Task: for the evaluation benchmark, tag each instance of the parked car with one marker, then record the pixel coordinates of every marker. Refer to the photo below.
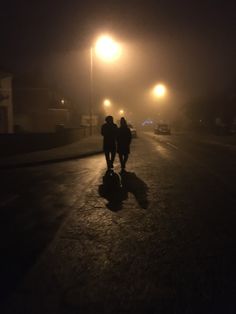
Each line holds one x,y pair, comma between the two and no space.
162,128
133,130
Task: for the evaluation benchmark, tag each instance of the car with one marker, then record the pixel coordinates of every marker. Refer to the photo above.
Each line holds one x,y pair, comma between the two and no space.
133,130
162,128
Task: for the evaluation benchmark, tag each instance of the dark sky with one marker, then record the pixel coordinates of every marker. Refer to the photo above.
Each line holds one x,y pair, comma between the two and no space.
190,45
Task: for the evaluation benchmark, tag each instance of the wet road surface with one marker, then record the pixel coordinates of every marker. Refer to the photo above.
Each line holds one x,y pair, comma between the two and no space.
164,243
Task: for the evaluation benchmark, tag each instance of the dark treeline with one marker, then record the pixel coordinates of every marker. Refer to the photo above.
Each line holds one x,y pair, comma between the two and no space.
212,110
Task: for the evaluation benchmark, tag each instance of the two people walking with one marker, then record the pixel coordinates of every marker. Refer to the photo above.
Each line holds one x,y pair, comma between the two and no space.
116,140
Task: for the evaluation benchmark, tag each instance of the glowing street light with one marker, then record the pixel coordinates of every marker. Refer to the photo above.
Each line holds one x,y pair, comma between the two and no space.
107,103
107,49
159,90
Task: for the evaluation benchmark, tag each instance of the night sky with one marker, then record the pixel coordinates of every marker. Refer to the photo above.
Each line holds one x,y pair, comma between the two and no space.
189,45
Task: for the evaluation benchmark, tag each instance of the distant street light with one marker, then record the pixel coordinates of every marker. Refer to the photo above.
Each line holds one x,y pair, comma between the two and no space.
107,103
108,50
159,90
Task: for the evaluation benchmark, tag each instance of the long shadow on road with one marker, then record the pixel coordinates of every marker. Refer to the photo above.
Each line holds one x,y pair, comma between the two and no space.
133,184
115,189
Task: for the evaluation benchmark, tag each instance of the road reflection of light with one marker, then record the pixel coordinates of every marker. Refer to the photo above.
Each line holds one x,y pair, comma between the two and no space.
163,151
92,165
163,147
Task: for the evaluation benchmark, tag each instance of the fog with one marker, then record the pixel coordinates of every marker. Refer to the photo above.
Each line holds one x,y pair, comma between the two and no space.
187,67
188,46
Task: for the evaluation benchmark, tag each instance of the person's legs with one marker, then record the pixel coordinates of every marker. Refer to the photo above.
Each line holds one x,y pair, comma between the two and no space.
126,156
121,160
107,155
113,155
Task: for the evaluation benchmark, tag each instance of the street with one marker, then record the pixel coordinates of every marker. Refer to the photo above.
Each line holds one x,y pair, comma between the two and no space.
164,244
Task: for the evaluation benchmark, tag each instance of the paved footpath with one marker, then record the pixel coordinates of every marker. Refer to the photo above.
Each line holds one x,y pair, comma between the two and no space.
85,147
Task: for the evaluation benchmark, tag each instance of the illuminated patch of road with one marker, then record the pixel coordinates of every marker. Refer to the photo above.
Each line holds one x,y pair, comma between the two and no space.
162,140
172,145
161,146
163,151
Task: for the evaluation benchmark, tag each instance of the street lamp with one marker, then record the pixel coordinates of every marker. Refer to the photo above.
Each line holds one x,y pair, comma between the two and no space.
107,103
107,106
108,50
159,90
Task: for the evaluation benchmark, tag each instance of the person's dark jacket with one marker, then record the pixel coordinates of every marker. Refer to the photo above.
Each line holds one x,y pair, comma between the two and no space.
123,140
109,133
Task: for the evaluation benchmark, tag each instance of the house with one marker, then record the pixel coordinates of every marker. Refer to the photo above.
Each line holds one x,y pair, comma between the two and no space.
36,107
6,108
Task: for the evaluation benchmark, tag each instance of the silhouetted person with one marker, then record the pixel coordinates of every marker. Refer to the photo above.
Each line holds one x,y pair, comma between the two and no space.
123,142
109,133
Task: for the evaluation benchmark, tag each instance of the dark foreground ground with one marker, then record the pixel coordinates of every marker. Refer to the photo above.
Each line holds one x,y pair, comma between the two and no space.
164,243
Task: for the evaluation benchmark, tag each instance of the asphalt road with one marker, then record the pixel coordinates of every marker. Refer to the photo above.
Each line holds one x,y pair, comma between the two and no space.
164,243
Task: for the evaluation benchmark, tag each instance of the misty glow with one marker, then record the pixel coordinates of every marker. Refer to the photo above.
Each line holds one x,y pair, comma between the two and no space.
107,103
159,90
107,49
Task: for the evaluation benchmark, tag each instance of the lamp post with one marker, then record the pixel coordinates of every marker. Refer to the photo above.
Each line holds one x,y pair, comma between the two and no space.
107,49
91,93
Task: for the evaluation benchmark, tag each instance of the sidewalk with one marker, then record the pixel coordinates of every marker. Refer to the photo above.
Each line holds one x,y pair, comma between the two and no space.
85,147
